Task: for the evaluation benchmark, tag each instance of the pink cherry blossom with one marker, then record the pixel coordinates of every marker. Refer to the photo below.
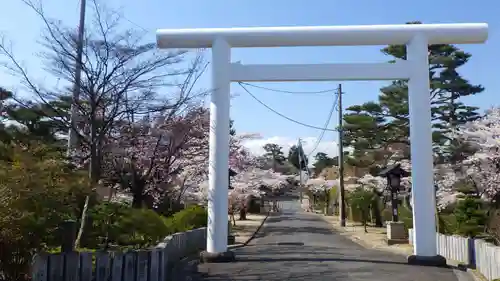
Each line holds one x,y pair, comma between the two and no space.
481,170
165,156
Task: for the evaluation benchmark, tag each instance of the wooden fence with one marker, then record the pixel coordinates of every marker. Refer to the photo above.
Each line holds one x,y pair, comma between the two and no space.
143,265
475,253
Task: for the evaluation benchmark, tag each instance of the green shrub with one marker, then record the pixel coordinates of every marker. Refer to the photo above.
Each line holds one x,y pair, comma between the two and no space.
360,200
447,223
104,224
470,216
405,215
145,228
58,250
333,194
38,191
121,226
354,214
187,219
117,225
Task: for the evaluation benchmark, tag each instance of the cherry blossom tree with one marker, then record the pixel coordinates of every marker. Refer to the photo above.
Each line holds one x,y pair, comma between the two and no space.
479,172
146,157
248,185
245,185
483,167
321,187
157,159
446,178
320,184
378,186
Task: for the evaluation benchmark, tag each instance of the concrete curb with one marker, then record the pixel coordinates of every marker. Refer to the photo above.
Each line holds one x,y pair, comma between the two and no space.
476,275
188,260
257,230
189,263
463,268
252,236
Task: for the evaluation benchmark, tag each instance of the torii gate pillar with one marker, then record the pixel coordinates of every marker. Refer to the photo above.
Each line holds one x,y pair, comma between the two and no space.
417,37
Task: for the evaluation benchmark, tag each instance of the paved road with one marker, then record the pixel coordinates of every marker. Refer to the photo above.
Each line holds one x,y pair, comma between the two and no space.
301,246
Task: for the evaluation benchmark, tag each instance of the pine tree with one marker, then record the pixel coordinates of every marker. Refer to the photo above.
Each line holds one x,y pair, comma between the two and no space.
274,154
471,217
5,95
232,130
323,161
293,158
39,121
374,125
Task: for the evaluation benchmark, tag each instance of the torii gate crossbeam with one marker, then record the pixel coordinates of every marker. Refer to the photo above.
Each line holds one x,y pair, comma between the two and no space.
417,37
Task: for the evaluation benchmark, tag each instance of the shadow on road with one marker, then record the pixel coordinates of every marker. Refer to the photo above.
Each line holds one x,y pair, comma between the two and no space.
284,230
284,259
297,250
285,216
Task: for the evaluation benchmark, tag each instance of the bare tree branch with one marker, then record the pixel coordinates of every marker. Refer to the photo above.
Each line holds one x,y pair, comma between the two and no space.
123,77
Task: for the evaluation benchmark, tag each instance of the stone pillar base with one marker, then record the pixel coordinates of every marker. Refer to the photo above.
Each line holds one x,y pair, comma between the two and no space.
437,260
395,231
396,241
206,257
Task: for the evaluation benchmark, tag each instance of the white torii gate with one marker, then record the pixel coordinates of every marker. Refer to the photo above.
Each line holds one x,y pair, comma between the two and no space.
416,68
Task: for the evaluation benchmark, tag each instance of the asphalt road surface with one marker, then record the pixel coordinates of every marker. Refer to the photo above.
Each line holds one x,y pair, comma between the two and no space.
297,246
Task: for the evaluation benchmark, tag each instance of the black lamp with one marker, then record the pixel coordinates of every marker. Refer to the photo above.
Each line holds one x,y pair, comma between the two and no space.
232,173
394,181
394,174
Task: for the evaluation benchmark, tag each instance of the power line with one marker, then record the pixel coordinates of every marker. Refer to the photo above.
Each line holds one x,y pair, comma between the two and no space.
288,92
133,23
282,115
121,15
330,114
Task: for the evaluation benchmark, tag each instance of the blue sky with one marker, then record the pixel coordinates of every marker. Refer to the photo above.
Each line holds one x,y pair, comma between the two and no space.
22,27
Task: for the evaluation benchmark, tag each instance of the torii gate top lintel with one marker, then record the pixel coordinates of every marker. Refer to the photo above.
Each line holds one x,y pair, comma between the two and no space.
355,35
415,69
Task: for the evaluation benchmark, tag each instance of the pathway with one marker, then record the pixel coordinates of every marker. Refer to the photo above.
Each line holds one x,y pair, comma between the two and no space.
298,246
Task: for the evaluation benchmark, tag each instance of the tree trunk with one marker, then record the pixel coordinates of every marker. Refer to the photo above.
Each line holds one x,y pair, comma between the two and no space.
327,203
364,218
137,199
94,173
243,214
376,213
82,222
407,200
232,217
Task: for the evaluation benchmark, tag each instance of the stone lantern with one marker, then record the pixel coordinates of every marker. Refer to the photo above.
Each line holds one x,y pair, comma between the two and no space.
395,229
232,173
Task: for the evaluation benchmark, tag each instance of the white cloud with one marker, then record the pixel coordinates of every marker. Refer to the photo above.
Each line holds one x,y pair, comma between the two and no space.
308,143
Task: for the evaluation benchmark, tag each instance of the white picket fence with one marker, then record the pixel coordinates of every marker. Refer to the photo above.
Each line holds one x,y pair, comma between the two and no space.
487,259
475,253
154,264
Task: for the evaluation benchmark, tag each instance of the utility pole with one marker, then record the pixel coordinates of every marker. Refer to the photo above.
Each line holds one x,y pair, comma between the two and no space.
300,171
342,212
73,133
